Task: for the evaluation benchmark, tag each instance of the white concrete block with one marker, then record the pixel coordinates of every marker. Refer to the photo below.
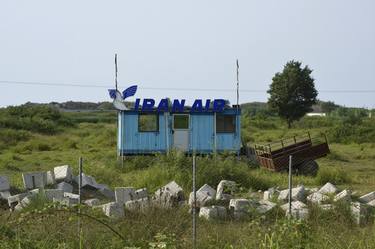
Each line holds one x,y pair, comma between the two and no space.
298,194
114,210
213,212
328,188
317,198
169,195
367,197
26,201
299,213
141,193
63,173
359,212
371,203
207,190
34,180
225,190
124,194
15,199
50,177
53,193
239,205
67,201
265,206
4,183
4,195
88,182
139,204
34,192
203,195
295,205
92,202
65,187
70,195
344,195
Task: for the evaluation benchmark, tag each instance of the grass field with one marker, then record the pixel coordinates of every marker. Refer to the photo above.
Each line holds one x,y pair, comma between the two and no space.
93,136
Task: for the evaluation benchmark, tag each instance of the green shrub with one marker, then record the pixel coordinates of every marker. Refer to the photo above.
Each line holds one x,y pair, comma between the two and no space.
332,175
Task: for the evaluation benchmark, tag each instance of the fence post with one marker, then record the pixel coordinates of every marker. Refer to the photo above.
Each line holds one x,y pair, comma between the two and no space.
80,164
290,186
194,206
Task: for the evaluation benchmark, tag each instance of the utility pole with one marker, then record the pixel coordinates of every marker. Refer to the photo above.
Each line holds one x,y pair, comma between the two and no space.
290,187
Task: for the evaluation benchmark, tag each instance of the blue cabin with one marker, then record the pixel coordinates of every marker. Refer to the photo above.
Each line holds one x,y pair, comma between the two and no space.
150,132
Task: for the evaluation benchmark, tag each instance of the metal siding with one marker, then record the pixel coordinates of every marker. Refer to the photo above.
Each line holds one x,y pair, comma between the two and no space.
230,141
202,133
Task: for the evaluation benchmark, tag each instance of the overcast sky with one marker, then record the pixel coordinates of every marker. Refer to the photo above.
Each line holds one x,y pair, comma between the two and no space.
184,44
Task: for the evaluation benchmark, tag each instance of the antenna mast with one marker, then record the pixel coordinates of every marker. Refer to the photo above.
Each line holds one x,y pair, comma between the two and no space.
238,85
116,71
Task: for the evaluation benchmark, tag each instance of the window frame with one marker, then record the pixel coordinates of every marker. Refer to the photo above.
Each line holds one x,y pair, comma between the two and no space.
148,114
226,132
181,114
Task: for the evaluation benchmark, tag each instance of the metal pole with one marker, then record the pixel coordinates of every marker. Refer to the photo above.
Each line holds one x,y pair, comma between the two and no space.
80,163
290,186
194,207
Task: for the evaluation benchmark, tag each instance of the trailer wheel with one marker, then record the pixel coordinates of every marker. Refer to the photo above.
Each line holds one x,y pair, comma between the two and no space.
309,168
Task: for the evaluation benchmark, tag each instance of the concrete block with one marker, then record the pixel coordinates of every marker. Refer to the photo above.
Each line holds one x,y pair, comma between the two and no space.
270,194
88,182
34,192
317,198
107,192
328,188
367,197
51,177
359,212
18,207
170,195
204,194
124,194
298,194
239,205
344,195
225,190
70,195
26,201
92,202
4,195
139,204
65,187
67,201
114,210
4,183
13,200
299,213
141,193
50,194
326,207
213,212
371,203
34,180
295,205
265,206
63,173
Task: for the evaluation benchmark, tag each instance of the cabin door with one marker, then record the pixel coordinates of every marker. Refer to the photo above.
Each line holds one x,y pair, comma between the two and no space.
181,131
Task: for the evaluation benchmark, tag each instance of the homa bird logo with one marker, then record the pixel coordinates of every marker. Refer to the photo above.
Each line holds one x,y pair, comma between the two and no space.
119,99
165,105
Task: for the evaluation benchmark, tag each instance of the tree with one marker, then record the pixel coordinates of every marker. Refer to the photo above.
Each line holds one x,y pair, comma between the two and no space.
328,106
292,92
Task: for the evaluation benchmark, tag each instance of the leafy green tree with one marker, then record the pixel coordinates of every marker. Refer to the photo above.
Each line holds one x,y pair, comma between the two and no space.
328,106
292,92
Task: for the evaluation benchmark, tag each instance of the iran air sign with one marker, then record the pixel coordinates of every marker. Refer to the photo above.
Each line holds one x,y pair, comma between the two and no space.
164,105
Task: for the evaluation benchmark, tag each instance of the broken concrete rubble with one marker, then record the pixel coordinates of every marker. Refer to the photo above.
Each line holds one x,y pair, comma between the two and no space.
295,205
92,202
344,195
124,194
299,213
88,182
106,191
170,195
13,200
367,197
4,183
317,198
213,212
113,210
65,187
359,212
34,180
67,201
265,206
225,190
139,204
63,173
4,195
298,194
50,194
141,193
328,188
203,195
270,194
50,177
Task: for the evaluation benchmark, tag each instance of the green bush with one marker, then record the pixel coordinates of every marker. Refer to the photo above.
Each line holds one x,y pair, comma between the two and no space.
332,175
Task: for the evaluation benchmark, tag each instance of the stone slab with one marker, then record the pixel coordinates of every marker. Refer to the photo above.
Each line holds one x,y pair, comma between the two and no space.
63,173
114,210
225,190
213,212
328,188
367,197
344,195
34,180
65,187
4,183
124,194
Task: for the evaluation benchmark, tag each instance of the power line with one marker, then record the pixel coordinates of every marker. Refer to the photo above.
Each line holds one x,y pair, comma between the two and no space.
164,88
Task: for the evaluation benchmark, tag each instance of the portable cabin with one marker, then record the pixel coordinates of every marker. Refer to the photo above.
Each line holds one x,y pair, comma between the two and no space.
192,132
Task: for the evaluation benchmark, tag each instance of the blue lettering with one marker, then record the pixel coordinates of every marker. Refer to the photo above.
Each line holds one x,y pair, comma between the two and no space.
219,105
207,106
163,105
197,106
136,104
148,104
178,106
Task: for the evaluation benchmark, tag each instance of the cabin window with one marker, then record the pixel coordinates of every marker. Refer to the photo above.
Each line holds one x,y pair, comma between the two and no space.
225,123
148,122
181,121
